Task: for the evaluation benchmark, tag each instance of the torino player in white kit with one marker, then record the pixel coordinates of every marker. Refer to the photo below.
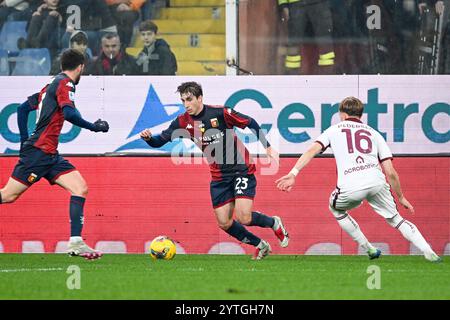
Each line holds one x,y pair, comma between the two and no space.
359,150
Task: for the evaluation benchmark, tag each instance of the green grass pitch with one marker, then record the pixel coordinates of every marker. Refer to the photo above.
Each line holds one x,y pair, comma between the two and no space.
221,277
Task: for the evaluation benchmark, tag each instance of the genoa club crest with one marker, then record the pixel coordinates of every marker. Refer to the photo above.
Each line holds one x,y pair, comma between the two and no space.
32,178
214,122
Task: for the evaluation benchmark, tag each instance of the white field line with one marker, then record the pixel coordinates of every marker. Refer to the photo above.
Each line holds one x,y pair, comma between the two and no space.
31,270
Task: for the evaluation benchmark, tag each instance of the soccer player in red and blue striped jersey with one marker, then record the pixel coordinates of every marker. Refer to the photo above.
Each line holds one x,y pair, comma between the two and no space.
233,184
39,157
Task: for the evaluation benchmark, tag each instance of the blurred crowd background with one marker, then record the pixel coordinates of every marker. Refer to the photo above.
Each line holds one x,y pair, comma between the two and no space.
188,37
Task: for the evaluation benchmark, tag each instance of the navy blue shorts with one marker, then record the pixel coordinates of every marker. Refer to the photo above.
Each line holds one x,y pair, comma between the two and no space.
35,164
230,188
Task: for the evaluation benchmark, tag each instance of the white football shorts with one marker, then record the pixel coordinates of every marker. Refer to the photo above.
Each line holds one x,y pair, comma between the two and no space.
379,197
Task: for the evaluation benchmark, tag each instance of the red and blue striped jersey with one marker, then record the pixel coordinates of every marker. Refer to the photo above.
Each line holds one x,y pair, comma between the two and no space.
212,131
49,104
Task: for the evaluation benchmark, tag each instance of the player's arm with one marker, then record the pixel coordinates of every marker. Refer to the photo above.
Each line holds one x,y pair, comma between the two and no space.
271,153
158,140
73,116
322,142
154,141
65,98
305,158
385,157
254,126
236,119
286,182
22,119
394,181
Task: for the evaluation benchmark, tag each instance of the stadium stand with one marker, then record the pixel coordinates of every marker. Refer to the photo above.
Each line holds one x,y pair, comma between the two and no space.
195,31
32,62
11,32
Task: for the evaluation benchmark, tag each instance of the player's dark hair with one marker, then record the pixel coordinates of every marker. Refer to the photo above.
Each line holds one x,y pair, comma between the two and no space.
148,25
352,106
190,87
71,59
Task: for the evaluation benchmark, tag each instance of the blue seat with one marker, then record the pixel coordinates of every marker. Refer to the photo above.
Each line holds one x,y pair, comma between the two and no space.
4,63
11,32
33,62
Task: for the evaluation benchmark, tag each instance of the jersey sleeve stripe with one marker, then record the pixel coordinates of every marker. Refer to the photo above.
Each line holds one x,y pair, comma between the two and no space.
63,91
323,147
388,158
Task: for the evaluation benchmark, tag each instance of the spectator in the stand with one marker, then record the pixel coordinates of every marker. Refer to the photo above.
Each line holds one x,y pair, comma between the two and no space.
113,60
14,10
391,44
45,27
437,9
79,42
125,13
297,14
96,20
444,61
156,58
437,4
350,36
147,10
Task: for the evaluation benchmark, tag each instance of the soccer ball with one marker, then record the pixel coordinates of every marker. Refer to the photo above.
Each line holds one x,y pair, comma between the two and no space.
162,247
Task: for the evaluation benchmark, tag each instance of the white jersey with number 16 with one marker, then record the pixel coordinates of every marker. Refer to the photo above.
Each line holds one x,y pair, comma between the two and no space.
358,150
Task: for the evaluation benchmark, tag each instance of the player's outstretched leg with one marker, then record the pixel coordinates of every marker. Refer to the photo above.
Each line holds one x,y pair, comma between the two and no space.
261,220
247,217
280,232
262,250
75,184
349,225
12,191
238,231
411,233
77,247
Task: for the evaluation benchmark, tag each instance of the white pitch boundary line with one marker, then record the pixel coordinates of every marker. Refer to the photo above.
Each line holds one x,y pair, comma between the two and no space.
31,270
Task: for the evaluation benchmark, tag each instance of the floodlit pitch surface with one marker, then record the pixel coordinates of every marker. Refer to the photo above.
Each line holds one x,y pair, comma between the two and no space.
278,277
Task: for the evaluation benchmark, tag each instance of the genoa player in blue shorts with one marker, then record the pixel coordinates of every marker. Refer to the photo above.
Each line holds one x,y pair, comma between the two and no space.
39,157
233,184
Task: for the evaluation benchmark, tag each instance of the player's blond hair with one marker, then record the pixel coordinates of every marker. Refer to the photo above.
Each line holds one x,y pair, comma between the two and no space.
352,106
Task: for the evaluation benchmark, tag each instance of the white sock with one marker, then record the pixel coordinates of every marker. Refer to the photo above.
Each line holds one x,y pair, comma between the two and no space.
352,228
261,244
413,235
75,239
